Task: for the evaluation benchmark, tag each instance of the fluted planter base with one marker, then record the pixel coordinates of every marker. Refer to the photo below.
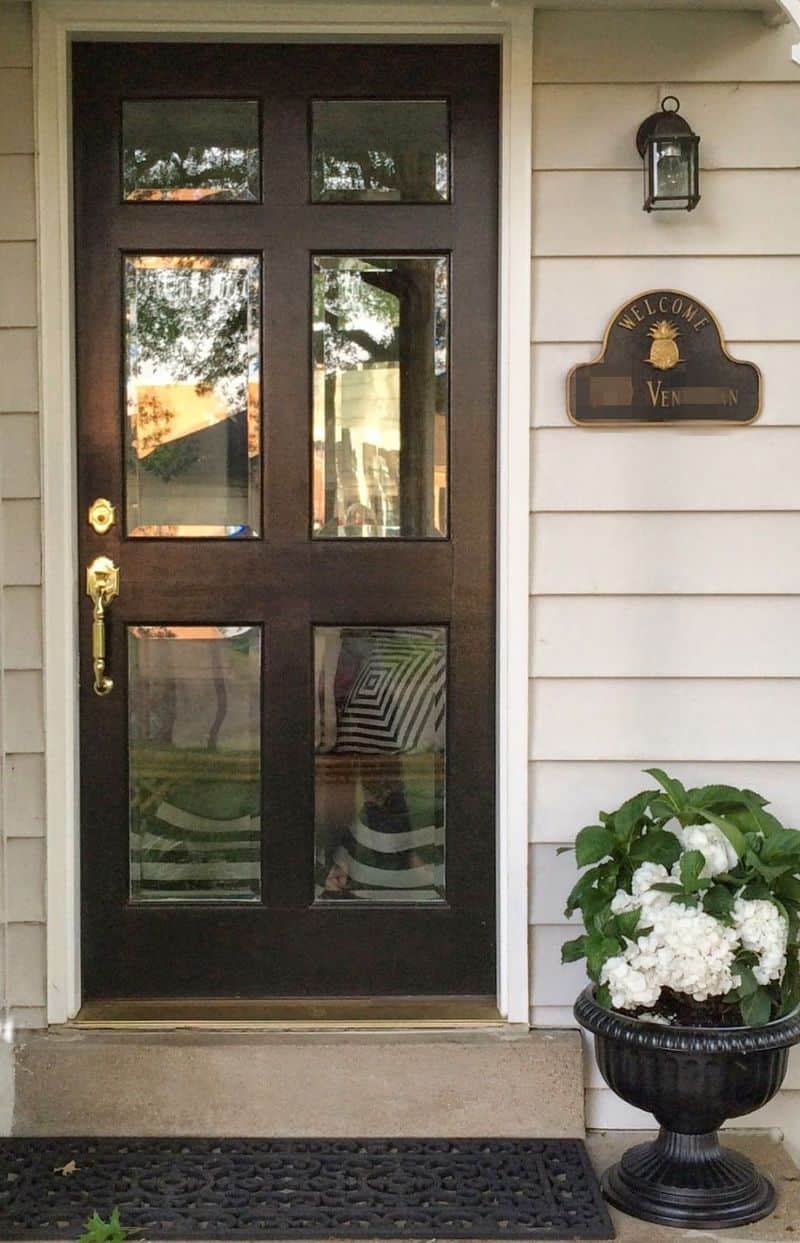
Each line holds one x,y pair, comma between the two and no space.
689,1180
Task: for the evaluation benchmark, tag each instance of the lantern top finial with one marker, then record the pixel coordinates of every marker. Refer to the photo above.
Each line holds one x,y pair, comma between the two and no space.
667,123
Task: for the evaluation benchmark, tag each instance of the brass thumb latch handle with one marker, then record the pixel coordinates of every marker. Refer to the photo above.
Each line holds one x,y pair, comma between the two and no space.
102,585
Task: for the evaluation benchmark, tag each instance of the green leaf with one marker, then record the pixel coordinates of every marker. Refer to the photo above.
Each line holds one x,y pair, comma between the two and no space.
656,846
598,951
592,844
99,1231
756,889
603,995
628,923
667,886
585,884
572,951
563,850
593,903
788,886
754,861
748,984
755,819
660,809
692,864
630,813
676,794
790,985
707,796
782,846
718,901
733,834
757,1008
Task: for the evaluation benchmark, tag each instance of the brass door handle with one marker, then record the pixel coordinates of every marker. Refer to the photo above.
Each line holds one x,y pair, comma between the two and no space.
102,585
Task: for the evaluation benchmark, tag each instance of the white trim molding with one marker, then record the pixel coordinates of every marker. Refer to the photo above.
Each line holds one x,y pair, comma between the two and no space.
57,23
792,10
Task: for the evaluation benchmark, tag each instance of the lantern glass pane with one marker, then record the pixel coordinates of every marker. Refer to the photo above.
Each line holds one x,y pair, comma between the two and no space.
672,172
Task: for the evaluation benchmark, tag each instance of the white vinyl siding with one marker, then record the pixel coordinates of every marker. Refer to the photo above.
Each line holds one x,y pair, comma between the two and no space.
665,583
22,847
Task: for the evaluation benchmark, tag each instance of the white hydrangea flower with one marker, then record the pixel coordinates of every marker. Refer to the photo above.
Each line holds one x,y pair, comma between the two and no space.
629,988
686,949
643,897
763,930
710,841
713,846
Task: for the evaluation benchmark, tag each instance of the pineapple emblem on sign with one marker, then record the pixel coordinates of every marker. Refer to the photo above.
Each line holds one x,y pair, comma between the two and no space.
664,352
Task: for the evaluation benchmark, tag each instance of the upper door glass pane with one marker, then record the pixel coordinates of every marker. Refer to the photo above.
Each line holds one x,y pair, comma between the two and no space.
192,362
380,151
190,150
380,396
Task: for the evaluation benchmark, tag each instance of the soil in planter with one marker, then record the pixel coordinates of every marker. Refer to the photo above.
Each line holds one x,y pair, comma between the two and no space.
682,1011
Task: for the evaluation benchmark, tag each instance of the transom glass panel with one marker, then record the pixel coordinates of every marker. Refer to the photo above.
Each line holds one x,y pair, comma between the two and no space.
381,395
190,150
380,151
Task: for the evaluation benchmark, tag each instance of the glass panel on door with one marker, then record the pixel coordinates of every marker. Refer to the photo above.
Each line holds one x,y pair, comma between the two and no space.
194,738
380,699
190,150
192,377
381,396
380,151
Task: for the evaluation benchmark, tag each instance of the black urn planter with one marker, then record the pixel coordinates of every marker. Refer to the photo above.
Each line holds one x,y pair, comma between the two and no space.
692,1079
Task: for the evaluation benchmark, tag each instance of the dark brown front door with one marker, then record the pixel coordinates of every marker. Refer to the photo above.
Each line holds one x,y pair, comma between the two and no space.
286,305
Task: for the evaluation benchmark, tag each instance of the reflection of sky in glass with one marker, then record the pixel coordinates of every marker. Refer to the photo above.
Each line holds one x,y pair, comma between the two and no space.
345,290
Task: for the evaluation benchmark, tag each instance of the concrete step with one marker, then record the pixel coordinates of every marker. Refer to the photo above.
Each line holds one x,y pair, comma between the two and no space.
505,1081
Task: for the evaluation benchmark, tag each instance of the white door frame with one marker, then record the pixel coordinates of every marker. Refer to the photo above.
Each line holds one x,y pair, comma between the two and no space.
57,22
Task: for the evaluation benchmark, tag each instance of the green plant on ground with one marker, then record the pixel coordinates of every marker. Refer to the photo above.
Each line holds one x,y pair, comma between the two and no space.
99,1231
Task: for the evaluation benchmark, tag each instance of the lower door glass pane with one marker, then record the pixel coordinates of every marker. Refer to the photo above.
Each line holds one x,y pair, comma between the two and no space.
195,762
380,716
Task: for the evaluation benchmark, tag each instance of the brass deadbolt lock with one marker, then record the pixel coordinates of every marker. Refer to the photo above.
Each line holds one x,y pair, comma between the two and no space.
102,515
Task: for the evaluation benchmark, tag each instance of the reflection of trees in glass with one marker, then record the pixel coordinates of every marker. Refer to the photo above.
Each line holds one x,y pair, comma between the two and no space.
192,145
392,311
392,148
194,320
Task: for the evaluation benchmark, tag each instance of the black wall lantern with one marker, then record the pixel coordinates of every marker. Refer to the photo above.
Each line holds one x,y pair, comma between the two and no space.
669,148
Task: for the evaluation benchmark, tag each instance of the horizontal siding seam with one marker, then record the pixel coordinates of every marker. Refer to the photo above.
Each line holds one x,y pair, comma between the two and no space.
661,513
537,170
727,596
623,430
689,83
616,256
573,342
769,677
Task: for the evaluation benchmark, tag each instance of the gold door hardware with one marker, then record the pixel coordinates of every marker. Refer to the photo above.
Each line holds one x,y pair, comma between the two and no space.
102,515
102,585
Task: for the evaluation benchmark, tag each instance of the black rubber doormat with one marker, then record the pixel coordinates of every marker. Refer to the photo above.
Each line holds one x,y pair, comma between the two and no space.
253,1189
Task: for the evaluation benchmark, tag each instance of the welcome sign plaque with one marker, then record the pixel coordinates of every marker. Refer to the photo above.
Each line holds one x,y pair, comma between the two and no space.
664,361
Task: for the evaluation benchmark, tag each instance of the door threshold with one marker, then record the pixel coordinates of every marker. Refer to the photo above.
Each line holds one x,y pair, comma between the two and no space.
290,1013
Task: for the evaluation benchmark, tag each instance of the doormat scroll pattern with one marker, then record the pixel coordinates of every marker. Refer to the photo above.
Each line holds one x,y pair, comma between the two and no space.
252,1189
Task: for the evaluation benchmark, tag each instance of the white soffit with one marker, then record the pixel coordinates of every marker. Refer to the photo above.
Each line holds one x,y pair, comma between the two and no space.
774,12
